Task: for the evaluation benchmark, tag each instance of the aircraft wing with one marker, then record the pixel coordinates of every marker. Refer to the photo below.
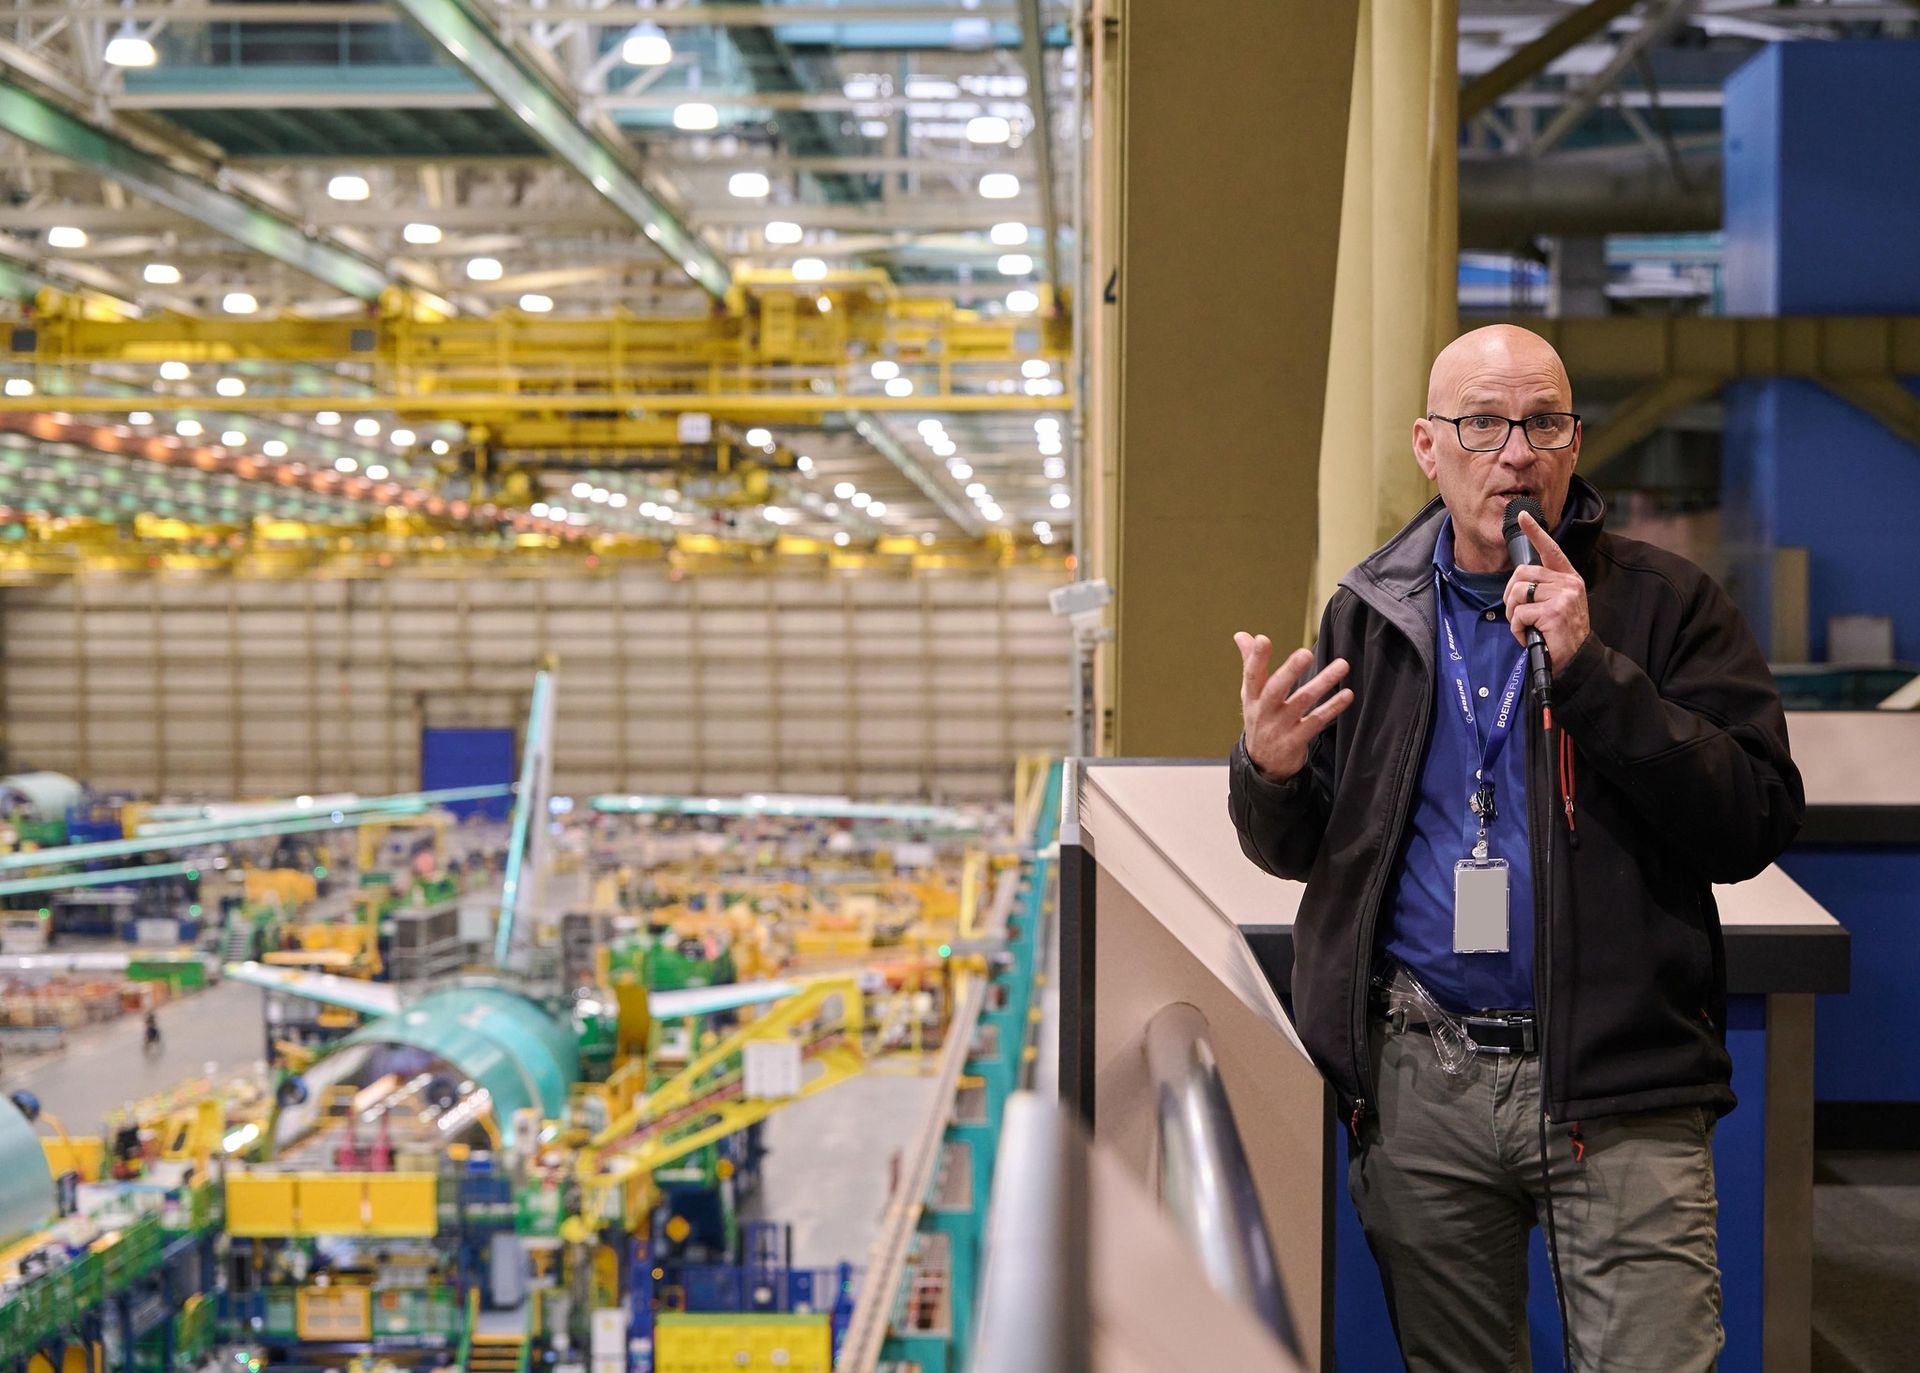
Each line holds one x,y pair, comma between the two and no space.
100,961
691,1001
352,993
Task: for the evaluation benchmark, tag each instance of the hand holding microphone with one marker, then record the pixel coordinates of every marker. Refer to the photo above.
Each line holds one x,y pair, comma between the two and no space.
1546,598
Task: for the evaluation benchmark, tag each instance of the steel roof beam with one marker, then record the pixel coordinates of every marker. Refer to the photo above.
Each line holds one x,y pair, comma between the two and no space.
481,52
1530,59
35,120
1034,59
929,485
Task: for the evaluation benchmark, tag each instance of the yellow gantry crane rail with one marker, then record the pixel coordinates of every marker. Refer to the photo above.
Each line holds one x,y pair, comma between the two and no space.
789,351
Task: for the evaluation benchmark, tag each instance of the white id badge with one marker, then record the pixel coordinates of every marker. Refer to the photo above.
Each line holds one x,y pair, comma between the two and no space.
1480,905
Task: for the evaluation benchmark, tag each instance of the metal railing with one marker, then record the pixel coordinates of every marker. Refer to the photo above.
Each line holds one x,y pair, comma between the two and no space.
1203,1180
1035,1315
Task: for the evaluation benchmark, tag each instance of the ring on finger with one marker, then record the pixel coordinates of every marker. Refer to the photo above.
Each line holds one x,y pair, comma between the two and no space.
1531,588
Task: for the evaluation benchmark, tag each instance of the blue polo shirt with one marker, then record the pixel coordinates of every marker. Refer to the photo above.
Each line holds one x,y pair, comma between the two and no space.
1417,920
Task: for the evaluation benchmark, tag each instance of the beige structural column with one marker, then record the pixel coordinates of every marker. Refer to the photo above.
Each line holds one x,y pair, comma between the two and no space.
1231,122
1395,287
1098,312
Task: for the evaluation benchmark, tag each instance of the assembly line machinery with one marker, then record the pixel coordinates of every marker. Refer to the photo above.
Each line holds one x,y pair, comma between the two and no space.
522,1166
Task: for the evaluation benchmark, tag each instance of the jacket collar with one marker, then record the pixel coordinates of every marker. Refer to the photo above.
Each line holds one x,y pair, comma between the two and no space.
1403,566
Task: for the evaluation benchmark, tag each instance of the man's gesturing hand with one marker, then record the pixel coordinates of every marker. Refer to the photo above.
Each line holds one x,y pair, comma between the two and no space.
1279,724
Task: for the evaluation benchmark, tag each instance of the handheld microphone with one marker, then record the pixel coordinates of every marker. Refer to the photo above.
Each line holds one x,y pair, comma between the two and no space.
1521,550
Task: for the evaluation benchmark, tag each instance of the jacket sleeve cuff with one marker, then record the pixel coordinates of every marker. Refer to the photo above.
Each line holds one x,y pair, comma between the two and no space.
1587,662
1262,789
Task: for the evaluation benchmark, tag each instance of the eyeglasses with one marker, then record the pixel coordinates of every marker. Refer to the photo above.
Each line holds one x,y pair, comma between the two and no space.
1489,433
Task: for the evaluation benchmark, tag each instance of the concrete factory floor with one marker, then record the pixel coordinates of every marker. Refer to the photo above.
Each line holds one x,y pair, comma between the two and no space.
105,1066
828,1163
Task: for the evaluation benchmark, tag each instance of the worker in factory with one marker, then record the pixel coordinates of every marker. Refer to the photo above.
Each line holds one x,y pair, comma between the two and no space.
1507,959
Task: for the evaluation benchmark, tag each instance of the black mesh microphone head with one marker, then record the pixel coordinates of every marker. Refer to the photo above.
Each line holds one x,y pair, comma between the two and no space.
1510,525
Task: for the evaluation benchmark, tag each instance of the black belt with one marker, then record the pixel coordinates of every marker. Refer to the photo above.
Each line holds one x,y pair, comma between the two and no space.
1496,1032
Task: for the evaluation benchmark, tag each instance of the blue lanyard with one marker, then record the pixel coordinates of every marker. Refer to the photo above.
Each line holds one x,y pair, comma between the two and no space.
1503,719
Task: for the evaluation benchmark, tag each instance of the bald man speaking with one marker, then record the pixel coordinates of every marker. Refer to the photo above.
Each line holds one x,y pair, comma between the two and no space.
1508,961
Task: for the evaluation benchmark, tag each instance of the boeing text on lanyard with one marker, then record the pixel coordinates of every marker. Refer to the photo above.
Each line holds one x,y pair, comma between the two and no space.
1480,897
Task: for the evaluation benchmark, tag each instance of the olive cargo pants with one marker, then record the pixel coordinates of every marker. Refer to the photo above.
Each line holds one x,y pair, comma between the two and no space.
1446,1178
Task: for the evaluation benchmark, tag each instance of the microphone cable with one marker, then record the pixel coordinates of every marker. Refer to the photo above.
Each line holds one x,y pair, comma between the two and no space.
1543,998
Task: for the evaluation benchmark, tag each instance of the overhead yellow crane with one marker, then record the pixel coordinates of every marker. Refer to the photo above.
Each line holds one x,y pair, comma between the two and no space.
787,351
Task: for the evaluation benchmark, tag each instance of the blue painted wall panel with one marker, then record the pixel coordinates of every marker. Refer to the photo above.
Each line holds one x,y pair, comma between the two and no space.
1363,1335
469,758
1822,194
1875,893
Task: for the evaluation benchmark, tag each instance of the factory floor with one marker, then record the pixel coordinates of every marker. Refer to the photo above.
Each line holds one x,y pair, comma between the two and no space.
829,1160
1866,1262
105,1066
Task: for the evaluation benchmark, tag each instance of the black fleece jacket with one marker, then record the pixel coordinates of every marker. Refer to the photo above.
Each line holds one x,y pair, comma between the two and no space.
1683,779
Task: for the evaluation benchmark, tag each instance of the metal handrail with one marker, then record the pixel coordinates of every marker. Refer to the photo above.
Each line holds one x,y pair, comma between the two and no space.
1035,1312
1203,1180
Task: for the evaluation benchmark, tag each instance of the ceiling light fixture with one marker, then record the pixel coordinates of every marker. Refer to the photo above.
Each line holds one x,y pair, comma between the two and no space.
899,388
345,465
876,509
140,417
536,304
274,448
783,232
347,186
128,49
1022,302
484,269
421,234
617,499
377,472
1008,235
988,128
239,303
1035,368
695,117
646,48
326,419
842,539
860,500
748,185
804,463
66,236
174,371
844,490
161,274
230,386
1015,265
885,371
999,186
19,386
367,427
402,438
233,438
759,438
1060,500
809,269
189,429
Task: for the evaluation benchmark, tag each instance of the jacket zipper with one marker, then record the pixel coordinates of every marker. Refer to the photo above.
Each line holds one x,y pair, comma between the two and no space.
1370,910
